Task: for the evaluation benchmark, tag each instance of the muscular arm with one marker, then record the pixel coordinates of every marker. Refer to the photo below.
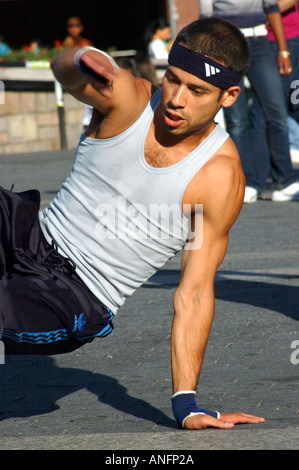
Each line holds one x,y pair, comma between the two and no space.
194,308
194,297
117,93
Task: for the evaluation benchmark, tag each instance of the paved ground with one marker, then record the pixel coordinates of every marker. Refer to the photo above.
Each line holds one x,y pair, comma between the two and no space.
114,394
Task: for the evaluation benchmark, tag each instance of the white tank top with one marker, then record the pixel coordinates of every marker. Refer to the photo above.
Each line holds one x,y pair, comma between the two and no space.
118,218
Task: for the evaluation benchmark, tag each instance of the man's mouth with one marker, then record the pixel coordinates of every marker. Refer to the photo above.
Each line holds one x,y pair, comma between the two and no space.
173,119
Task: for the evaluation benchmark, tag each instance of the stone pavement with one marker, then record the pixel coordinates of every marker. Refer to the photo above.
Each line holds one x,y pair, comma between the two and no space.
114,394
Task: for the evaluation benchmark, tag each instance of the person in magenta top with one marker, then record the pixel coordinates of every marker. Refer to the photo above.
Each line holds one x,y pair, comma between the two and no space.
290,17
264,77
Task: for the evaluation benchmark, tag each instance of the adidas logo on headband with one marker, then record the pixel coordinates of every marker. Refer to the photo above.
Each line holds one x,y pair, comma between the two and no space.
202,67
210,70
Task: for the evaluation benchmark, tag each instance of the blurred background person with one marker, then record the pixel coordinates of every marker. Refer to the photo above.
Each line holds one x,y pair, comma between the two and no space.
158,39
75,29
4,48
34,46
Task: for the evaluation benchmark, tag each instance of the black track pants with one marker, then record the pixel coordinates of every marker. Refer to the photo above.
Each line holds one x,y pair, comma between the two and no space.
44,307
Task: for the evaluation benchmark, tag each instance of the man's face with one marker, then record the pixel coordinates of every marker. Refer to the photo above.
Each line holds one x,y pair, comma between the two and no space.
189,104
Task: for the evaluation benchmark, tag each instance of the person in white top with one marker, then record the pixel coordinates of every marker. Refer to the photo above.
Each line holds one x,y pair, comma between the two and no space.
157,37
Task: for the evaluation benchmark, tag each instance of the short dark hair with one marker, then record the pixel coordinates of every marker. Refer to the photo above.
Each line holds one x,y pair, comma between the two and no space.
219,40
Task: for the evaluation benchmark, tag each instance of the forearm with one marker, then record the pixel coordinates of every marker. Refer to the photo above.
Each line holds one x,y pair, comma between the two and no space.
65,70
77,67
283,58
276,24
88,74
190,330
191,327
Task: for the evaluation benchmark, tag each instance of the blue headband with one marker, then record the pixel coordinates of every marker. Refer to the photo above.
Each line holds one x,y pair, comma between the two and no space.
202,67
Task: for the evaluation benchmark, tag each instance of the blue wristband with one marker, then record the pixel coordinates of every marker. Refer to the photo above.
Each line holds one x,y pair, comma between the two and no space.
184,406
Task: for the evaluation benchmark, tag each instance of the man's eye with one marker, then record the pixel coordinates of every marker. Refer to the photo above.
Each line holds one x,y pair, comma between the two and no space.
196,92
170,79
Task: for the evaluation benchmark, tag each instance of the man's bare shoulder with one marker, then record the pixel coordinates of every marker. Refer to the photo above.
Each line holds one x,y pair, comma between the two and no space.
222,174
224,169
219,186
223,184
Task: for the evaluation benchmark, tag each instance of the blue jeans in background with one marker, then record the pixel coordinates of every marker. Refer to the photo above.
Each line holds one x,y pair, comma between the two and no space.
257,147
293,128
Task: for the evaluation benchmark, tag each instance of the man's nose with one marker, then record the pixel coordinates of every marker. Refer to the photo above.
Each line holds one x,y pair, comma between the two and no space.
178,98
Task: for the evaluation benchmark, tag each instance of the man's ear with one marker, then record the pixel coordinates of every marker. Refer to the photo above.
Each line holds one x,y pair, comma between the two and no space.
230,95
